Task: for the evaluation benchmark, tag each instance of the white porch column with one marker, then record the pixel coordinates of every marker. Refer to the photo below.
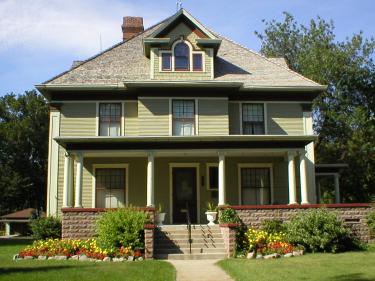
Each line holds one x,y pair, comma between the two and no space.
292,179
221,179
67,181
150,180
7,228
302,174
337,188
78,195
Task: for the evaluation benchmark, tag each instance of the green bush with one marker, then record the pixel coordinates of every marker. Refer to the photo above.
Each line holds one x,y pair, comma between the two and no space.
45,227
229,216
319,230
121,227
371,222
273,226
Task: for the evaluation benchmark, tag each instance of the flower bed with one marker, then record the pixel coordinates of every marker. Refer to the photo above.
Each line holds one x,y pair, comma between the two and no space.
270,245
78,250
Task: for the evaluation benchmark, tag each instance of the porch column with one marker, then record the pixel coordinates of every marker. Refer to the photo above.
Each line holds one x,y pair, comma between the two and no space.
302,174
292,179
78,197
221,179
7,228
337,188
67,181
150,180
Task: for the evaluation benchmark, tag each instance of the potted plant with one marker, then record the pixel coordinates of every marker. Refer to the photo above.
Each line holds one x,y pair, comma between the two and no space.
159,216
211,213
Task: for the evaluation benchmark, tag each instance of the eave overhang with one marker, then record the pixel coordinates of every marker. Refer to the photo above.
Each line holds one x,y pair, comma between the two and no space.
182,84
186,142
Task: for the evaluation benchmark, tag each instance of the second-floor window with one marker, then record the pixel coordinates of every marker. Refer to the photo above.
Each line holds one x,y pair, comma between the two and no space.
181,56
183,117
253,119
109,119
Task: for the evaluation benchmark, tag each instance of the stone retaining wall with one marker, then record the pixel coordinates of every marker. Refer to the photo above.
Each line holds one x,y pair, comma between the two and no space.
79,223
353,215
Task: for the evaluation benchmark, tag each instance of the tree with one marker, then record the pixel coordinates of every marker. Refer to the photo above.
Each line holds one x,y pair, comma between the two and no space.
344,115
23,151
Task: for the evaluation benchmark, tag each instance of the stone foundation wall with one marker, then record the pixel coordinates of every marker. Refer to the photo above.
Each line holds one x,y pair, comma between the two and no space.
79,223
353,215
228,231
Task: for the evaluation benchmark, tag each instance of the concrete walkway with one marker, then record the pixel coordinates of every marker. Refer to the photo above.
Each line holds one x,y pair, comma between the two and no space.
199,270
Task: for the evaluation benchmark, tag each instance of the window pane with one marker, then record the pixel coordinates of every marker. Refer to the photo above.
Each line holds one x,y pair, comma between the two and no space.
197,62
183,117
255,186
166,61
213,177
181,54
109,119
253,119
110,188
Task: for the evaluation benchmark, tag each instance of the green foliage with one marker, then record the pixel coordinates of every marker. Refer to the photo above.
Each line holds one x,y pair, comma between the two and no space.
242,242
371,222
45,227
23,151
211,207
344,115
228,215
273,226
121,227
319,230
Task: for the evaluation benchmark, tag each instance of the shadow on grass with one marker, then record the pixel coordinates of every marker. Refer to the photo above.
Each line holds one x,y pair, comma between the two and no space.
352,277
11,242
31,269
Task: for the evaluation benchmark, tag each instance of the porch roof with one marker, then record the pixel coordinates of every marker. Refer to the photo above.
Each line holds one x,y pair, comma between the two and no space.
184,142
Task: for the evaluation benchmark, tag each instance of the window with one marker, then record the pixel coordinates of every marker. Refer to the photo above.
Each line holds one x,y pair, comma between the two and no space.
183,117
109,119
212,177
255,186
252,119
197,62
110,187
181,56
166,61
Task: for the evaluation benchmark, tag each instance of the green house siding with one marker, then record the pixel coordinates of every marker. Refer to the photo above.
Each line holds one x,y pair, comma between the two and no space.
285,119
213,117
78,119
234,118
131,119
153,117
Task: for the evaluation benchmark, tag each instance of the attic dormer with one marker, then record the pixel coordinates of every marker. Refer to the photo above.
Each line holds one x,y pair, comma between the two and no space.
181,49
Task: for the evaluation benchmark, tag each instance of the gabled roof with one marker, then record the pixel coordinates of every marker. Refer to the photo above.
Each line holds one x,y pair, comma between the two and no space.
23,214
126,62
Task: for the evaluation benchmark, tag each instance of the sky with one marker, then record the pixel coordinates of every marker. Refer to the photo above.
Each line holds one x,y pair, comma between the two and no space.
40,38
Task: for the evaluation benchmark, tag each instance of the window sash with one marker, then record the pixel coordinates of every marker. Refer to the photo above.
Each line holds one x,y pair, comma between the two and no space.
110,119
183,117
253,119
197,62
181,57
255,186
110,187
166,61
213,177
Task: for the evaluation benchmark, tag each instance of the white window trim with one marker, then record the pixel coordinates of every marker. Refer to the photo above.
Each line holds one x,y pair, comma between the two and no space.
183,165
254,165
208,166
265,113
196,115
97,119
191,52
109,166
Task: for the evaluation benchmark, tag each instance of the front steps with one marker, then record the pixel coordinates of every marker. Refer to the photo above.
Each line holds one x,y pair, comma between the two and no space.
172,242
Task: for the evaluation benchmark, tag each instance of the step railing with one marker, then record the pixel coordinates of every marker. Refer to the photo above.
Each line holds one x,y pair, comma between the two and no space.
188,222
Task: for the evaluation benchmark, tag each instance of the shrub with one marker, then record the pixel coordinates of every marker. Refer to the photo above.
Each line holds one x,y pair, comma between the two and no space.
273,226
229,216
121,227
319,230
45,227
371,222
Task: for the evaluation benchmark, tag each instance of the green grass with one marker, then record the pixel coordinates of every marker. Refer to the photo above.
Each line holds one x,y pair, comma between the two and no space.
52,270
350,266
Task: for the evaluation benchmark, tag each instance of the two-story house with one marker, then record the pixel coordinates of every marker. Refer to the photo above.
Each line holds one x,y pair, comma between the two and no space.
178,114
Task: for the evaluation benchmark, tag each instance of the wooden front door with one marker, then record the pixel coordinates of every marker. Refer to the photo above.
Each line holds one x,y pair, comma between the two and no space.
184,186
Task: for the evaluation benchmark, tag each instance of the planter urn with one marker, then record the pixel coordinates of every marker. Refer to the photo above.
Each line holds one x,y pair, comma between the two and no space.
211,217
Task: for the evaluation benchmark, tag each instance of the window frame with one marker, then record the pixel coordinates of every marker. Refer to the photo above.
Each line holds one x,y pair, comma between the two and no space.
241,105
194,101
189,57
208,166
110,166
255,165
161,61
98,121
197,69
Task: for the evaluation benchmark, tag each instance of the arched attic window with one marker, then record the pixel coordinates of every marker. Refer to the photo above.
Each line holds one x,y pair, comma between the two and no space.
181,56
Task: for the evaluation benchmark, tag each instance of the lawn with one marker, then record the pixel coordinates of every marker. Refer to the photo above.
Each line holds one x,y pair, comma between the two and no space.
351,266
31,270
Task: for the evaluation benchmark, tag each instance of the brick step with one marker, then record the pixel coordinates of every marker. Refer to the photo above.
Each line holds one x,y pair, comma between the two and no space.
204,256
186,236
193,227
186,245
182,231
187,250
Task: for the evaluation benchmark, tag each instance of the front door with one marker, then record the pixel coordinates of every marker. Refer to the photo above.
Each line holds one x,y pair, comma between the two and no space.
184,186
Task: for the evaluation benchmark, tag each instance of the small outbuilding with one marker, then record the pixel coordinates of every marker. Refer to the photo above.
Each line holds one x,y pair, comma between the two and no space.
17,223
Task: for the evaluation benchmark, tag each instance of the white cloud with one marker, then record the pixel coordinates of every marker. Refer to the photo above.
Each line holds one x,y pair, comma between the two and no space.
66,25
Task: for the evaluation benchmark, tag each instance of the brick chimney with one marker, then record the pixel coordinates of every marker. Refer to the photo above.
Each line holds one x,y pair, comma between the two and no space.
131,27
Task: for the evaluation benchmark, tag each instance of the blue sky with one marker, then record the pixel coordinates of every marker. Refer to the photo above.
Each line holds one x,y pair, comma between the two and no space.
41,38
